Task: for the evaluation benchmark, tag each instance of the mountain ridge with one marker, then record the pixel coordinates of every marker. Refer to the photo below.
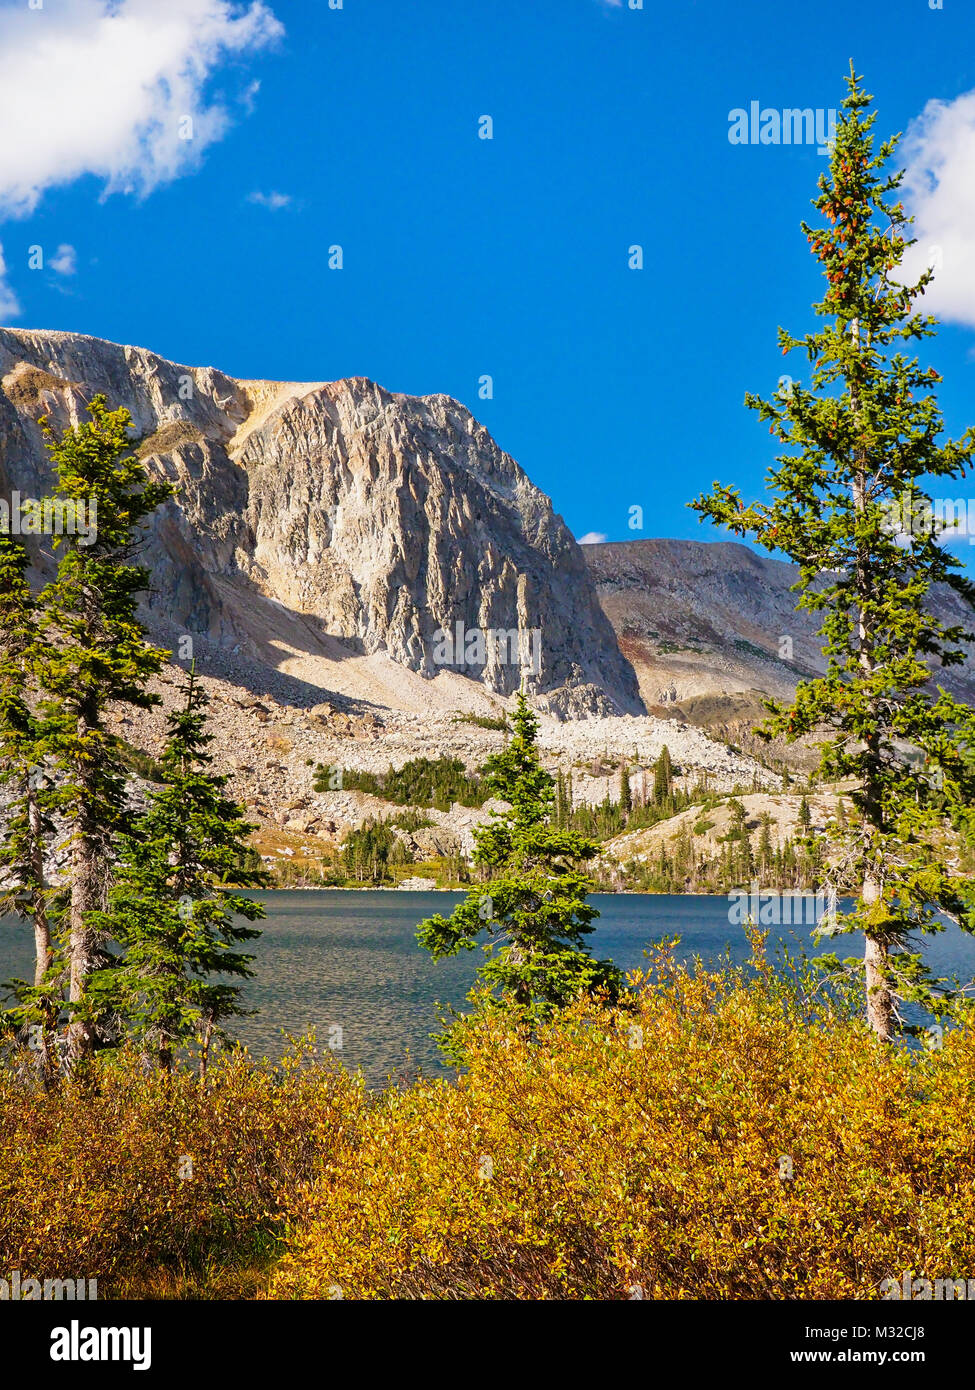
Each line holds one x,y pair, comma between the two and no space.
712,631
375,518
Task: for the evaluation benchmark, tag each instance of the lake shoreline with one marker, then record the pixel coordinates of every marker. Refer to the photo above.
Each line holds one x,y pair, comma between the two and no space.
347,963
385,888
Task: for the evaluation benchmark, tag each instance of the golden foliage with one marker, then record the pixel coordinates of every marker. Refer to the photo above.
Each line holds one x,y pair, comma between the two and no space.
611,1152
620,1152
111,1179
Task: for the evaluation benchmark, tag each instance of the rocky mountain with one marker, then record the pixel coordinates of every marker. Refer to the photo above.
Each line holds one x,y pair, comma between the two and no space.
711,628
330,534
323,539
703,618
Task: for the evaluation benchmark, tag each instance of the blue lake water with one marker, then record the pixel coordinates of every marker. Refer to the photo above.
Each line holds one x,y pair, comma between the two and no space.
331,959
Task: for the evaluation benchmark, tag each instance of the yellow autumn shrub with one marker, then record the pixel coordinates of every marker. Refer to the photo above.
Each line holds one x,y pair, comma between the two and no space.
735,1136
128,1172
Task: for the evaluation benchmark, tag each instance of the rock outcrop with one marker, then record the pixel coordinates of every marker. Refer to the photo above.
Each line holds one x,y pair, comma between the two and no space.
316,523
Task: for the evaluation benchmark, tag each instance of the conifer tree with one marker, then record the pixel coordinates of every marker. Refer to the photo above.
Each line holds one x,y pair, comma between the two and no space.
739,836
93,653
662,781
176,897
533,909
626,795
367,851
27,828
683,857
860,442
765,853
561,810
21,843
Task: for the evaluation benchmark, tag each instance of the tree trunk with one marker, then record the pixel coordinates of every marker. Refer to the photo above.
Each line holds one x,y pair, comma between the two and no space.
43,950
880,1000
43,953
86,885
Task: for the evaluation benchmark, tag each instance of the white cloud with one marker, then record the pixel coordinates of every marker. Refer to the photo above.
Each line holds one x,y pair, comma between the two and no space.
65,261
113,88
9,307
273,201
247,97
592,538
939,154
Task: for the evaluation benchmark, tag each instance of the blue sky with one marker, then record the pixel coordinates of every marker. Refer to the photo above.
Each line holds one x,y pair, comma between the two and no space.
464,257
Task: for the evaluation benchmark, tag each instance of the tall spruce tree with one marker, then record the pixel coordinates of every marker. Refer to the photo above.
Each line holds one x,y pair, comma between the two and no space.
533,908
93,653
662,777
861,440
561,810
176,898
27,828
626,793
21,846
765,854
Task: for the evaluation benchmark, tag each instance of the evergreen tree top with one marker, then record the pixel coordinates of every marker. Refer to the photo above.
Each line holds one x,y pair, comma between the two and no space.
515,773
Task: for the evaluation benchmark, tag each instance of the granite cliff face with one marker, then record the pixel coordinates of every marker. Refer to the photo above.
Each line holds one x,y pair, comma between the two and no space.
322,526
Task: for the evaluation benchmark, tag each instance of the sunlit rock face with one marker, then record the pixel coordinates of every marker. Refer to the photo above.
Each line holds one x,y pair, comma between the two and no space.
382,521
